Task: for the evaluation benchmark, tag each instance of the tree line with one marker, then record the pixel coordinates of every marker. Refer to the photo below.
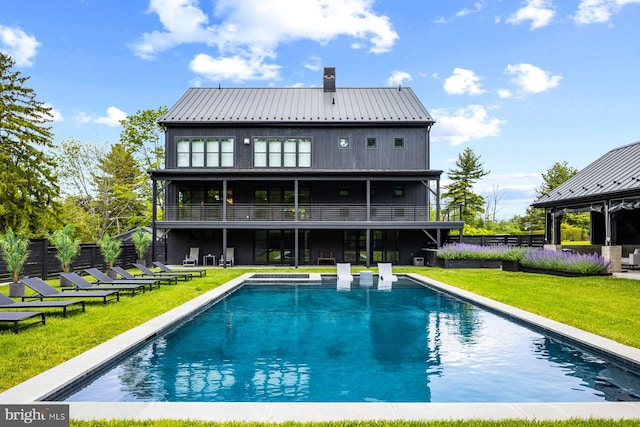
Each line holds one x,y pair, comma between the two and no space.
99,190
480,212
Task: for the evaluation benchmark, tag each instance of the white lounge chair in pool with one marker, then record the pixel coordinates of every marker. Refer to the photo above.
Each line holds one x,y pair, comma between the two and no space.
344,275
385,272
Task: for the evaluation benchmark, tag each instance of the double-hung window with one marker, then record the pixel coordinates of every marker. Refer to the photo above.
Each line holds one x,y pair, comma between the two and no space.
276,152
204,152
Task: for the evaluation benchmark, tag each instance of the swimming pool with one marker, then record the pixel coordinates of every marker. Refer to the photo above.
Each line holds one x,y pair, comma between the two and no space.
308,342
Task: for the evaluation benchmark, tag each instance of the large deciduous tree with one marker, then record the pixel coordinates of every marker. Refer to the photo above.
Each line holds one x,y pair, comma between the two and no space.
28,185
459,192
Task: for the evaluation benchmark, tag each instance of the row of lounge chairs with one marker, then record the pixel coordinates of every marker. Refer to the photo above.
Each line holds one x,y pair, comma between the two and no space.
73,297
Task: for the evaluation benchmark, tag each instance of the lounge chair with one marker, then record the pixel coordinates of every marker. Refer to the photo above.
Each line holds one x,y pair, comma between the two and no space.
149,273
633,261
102,278
161,279
16,316
385,272
165,269
192,258
344,271
44,290
228,259
8,303
79,283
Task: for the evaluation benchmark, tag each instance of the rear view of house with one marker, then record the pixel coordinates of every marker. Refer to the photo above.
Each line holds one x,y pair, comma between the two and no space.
299,176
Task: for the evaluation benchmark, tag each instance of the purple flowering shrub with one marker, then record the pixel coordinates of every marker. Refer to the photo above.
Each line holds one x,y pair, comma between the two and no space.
467,251
565,261
528,257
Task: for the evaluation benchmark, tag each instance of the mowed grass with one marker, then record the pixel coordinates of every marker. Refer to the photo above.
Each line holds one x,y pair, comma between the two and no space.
606,306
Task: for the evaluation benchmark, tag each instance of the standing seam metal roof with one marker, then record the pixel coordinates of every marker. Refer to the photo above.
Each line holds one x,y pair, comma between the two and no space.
617,171
306,105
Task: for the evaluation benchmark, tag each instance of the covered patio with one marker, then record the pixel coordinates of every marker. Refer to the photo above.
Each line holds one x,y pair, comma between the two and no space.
609,189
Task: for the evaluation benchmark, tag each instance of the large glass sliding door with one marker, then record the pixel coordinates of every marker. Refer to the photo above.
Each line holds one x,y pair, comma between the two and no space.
277,247
355,246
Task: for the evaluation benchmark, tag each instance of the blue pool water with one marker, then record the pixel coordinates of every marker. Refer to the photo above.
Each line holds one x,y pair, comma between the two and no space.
310,342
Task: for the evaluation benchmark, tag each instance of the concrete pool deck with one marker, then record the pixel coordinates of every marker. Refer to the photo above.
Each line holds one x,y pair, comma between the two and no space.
56,379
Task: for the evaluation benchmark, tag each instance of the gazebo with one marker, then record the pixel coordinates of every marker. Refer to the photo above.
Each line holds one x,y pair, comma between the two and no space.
608,188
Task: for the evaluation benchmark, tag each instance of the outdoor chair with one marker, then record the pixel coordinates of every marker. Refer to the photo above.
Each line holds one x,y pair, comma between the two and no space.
44,290
8,303
633,261
16,317
81,284
344,271
161,279
385,272
165,269
192,258
228,259
344,275
149,273
105,279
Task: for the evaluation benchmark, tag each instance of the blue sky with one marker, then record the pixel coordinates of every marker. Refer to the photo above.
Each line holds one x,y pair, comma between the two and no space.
523,83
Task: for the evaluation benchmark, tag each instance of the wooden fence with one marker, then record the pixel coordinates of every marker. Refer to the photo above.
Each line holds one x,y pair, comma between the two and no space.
523,240
43,263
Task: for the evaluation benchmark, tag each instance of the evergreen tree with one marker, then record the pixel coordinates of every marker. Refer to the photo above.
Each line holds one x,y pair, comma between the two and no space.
28,185
119,180
459,193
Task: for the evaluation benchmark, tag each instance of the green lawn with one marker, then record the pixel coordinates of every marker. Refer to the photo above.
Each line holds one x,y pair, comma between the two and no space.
606,306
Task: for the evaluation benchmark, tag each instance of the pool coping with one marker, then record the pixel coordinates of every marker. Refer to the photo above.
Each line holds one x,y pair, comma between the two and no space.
57,378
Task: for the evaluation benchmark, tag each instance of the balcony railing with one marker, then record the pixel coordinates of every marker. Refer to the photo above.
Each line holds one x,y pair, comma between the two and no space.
306,212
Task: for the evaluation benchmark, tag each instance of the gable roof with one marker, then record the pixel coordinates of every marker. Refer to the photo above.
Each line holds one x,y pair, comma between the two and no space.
616,174
298,105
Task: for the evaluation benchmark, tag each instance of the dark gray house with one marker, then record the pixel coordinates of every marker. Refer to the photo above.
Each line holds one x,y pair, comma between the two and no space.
608,188
299,176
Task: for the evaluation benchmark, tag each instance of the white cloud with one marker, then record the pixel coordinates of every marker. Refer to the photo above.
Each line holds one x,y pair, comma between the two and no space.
463,81
236,68
599,11
539,12
314,63
112,119
398,77
504,93
478,6
464,124
532,79
19,45
249,31
56,115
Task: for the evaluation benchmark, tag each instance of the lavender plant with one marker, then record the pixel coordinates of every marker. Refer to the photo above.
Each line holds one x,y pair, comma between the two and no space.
565,261
468,251
528,257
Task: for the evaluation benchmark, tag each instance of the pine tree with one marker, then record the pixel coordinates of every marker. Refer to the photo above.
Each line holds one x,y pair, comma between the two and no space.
28,185
459,193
